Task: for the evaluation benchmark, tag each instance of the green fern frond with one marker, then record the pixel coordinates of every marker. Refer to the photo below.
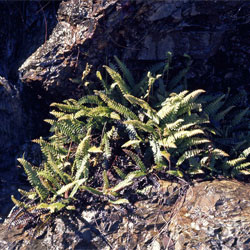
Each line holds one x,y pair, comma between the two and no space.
125,89
66,107
57,170
112,132
245,153
120,172
131,143
50,148
132,134
117,107
235,162
139,89
66,117
17,202
128,180
90,99
91,190
238,118
191,97
194,141
82,148
99,111
126,72
104,84
34,179
50,171
70,101
57,114
82,168
138,101
82,113
221,115
81,158
50,121
105,181
140,125
219,153
176,173
188,154
183,134
48,176
174,125
31,195
53,207
136,159
77,184
214,106
156,151
168,62
72,129
243,166
171,106
107,148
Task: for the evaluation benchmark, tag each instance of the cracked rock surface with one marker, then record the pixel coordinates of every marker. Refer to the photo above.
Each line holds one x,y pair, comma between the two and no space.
210,215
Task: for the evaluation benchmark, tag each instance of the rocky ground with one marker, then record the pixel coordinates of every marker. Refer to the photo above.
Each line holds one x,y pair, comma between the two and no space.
44,49
207,215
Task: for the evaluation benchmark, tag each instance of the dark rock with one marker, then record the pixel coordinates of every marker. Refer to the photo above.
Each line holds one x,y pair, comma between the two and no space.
25,25
12,119
214,34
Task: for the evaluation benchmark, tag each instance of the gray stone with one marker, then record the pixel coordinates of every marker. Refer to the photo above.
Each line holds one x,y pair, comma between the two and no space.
137,32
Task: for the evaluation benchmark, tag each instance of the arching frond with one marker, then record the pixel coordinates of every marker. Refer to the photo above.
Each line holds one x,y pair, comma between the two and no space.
126,72
117,107
125,89
34,179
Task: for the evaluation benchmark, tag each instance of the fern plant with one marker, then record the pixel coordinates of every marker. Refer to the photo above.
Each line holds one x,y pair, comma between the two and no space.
123,133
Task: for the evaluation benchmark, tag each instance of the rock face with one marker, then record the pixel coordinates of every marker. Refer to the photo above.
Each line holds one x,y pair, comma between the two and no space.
24,27
215,215
11,122
212,215
214,34
12,134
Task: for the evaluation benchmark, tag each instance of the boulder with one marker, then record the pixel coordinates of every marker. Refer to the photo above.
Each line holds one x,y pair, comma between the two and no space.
140,32
214,215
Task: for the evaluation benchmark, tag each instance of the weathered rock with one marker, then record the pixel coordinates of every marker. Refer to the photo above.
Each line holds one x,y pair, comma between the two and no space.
24,27
212,215
109,227
215,215
11,121
139,32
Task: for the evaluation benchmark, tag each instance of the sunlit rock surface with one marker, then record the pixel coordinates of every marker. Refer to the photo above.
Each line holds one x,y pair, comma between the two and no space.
208,215
215,215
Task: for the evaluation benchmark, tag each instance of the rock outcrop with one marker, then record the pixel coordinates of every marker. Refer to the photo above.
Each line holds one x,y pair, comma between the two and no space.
12,119
139,32
215,215
209,215
25,25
